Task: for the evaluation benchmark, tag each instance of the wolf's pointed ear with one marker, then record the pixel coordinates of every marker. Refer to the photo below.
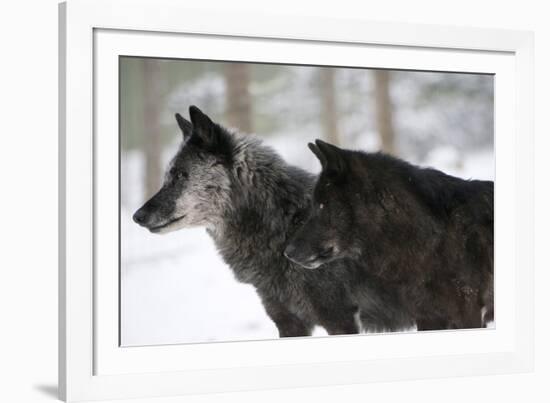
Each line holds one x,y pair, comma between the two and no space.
320,156
202,125
185,126
331,157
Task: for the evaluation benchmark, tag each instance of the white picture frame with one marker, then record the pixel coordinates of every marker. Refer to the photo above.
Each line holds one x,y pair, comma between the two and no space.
93,366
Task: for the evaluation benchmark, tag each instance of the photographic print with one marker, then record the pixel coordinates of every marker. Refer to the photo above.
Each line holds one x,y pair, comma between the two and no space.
260,201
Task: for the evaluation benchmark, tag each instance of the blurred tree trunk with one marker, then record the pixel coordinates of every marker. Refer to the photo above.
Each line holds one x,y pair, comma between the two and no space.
238,101
384,109
329,107
151,125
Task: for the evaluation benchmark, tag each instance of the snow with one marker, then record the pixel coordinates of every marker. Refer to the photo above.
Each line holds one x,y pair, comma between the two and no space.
176,288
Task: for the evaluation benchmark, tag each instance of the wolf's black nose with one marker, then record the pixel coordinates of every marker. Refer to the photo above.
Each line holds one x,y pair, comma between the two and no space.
140,217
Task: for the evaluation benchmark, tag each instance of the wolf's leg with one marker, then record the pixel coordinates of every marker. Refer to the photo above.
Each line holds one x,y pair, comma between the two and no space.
431,324
342,326
288,324
488,304
488,314
293,328
472,318
343,321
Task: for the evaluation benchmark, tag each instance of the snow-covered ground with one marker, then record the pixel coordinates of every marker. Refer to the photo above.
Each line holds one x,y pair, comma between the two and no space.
175,287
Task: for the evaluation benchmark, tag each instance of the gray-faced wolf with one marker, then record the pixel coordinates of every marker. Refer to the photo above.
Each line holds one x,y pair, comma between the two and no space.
427,236
250,202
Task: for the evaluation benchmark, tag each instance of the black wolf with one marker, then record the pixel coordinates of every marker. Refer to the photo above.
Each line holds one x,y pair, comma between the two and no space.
250,202
427,236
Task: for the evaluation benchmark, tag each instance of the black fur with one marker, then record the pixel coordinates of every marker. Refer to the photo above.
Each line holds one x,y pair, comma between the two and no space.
426,236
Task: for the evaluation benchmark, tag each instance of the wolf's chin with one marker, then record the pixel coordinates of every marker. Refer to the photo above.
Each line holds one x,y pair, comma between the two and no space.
310,265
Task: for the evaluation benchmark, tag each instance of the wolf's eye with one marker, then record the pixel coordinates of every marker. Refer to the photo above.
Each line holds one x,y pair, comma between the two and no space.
177,175
181,175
